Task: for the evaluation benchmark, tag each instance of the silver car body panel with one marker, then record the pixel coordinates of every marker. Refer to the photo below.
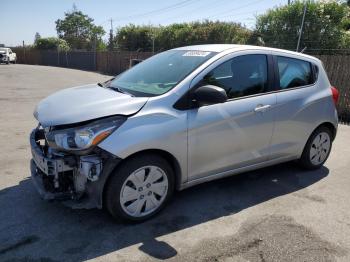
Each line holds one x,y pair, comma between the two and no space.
211,141
83,103
300,111
224,139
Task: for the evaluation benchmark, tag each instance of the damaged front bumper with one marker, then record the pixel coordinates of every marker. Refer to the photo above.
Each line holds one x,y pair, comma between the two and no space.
76,180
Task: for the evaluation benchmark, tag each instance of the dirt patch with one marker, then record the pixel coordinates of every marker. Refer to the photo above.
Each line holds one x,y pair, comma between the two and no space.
271,238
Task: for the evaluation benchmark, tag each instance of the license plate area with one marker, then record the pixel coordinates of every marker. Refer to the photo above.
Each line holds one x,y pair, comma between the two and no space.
48,165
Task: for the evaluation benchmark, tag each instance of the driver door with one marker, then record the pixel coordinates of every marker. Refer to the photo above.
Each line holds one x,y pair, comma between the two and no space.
237,133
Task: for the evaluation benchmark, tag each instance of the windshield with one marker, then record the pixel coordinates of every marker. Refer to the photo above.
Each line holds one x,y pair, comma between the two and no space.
160,73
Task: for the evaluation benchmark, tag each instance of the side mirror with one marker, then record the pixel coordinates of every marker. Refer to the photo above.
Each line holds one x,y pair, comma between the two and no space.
208,95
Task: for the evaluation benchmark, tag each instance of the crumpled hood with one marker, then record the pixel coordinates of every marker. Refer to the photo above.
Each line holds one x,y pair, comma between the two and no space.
82,103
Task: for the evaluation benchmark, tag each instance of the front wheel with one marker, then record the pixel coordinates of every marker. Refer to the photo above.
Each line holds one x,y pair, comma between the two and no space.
317,148
139,188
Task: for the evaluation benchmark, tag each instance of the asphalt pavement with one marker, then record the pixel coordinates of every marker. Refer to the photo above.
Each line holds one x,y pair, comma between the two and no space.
280,213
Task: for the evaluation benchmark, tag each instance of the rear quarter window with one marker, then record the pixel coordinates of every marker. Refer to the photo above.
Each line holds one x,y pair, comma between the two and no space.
294,72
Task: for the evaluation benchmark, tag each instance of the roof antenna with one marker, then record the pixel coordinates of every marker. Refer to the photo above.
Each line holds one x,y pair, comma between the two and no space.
302,51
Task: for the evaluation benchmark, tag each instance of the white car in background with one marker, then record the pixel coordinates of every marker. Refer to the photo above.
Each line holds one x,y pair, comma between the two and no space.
7,56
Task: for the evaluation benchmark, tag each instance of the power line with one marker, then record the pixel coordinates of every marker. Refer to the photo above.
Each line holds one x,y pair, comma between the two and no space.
236,8
227,11
197,9
239,14
153,12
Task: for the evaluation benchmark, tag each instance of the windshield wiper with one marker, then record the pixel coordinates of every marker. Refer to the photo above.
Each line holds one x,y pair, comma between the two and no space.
105,84
118,89
115,88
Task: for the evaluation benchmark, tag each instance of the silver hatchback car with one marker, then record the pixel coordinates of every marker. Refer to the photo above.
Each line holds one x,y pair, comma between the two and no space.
182,117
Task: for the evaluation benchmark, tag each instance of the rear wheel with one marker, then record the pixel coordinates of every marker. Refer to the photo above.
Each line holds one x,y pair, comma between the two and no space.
139,188
317,148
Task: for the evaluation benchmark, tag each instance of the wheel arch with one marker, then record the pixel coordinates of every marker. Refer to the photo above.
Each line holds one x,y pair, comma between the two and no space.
173,162
328,125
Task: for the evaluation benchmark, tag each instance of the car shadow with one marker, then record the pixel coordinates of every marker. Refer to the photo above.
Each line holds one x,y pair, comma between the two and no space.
34,229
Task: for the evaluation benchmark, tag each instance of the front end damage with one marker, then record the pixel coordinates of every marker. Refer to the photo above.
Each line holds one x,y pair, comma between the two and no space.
77,180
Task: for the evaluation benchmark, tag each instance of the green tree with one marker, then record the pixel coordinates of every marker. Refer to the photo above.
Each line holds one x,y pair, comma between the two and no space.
134,37
323,28
51,43
79,30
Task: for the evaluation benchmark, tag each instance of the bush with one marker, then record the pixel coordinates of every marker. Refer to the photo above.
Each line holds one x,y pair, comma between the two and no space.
51,43
133,37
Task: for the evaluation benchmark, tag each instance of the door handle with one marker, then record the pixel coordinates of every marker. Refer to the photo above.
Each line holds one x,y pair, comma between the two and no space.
261,108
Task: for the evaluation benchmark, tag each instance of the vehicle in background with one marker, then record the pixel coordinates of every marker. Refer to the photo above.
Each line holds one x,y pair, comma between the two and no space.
180,118
7,56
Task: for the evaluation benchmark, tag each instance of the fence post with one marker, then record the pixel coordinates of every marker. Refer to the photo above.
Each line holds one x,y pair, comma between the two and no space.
24,53
94,54
58,56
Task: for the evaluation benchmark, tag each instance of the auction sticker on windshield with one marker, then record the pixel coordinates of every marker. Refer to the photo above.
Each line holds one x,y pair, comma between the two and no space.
196,53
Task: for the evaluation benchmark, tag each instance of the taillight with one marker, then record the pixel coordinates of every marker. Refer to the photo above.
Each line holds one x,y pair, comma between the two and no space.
335,94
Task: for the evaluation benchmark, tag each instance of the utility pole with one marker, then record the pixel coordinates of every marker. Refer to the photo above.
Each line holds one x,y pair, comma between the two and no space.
288,2
301,27
110,44
111,31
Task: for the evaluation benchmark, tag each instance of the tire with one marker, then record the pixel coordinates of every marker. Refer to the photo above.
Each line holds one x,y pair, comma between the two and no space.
131,195
317,149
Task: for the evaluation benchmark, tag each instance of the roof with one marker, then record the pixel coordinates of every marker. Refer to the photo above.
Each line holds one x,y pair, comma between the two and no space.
210,47
224,47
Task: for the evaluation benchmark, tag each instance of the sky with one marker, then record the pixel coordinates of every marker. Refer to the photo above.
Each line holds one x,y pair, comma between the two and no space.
21,19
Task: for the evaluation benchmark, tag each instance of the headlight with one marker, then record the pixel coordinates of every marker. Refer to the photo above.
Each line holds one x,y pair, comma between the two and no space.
84,137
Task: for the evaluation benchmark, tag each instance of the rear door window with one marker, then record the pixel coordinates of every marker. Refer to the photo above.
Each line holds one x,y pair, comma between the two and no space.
294,72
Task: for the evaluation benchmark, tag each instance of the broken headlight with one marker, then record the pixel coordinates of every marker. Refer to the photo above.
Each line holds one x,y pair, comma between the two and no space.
83,137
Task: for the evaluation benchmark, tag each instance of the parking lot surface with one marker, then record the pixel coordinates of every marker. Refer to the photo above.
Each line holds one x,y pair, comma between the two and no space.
279,213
